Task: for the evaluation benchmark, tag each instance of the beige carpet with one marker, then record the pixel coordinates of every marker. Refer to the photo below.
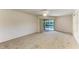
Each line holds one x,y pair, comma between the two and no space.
42,40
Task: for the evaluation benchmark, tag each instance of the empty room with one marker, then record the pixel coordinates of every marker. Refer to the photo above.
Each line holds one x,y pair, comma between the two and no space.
39,29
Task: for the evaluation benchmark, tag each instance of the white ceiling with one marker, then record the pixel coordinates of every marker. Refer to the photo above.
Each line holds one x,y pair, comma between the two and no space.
51,12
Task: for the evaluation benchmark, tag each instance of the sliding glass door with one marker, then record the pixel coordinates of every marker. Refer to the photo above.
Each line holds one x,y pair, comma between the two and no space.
49,25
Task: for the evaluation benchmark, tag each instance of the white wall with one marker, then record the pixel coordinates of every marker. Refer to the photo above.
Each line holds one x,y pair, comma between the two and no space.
76,25
14,24
64,23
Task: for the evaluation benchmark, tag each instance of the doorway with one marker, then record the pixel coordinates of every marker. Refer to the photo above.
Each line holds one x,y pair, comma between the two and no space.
49,24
